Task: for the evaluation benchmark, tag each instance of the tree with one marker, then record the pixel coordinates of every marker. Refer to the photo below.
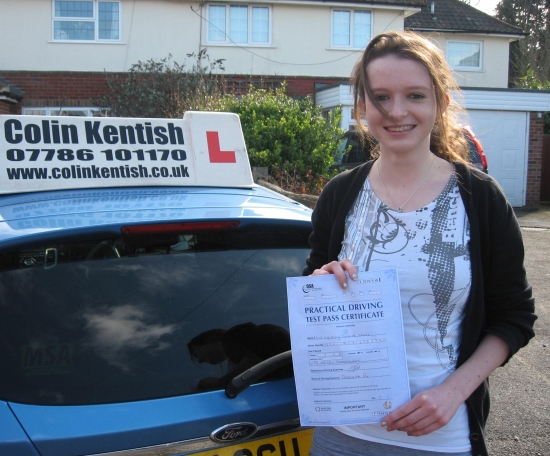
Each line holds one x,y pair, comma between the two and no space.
164,88
531,81
533,51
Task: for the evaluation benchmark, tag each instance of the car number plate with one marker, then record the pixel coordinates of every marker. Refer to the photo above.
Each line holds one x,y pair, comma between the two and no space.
292,444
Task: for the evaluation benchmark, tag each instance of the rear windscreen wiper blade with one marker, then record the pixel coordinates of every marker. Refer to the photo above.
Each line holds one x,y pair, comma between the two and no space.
249,376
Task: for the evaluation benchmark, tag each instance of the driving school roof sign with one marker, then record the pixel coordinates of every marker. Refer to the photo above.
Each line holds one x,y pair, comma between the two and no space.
39,153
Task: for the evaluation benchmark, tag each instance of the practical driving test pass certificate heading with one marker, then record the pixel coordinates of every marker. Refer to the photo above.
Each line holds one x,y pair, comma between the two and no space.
348,348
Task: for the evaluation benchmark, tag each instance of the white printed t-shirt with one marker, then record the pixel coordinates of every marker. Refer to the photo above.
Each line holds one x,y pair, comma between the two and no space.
429,249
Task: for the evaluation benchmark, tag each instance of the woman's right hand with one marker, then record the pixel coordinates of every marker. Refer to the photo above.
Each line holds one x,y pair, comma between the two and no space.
339,269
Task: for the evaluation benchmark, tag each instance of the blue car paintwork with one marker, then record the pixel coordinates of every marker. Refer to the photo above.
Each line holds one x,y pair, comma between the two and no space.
72,430
13,441
37,214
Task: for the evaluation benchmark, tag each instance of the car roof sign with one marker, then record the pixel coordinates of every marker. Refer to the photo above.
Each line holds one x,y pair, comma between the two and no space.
40,153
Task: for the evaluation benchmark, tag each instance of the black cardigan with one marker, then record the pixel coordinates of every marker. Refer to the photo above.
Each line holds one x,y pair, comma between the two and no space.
500,300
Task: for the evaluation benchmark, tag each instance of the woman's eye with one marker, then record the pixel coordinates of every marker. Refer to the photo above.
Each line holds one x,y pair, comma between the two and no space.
417,96
380,97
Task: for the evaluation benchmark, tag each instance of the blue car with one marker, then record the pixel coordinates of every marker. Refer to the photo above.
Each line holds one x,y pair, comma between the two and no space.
133,318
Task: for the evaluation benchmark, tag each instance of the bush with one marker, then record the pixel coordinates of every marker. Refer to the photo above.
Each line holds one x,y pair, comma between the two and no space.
285,134
163,88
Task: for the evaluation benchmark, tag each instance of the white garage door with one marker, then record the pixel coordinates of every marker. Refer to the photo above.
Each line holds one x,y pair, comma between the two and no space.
504,135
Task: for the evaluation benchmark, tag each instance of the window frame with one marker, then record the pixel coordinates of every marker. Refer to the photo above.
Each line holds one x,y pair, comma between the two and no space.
465,68
352,12
228,41
94,19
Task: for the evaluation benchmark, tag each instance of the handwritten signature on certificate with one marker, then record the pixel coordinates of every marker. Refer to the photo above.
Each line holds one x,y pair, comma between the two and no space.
348,348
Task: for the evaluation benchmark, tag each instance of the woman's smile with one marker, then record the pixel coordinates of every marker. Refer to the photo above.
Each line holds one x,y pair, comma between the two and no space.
401,128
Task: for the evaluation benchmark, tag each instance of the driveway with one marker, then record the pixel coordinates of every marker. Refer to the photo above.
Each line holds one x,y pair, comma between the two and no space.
519,423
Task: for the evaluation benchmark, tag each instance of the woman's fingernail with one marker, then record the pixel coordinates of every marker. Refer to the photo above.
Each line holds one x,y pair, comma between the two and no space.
345,285
354,276
383,424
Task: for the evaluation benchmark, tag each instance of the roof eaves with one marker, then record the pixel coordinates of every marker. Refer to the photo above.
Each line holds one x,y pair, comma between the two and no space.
387,3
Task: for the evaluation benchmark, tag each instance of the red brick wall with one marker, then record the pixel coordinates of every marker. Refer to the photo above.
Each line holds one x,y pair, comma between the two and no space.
534,160
296,85
5,107
48,89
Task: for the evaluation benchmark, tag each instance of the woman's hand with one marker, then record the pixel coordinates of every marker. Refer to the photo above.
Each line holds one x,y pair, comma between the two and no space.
339,269
432,409
428,411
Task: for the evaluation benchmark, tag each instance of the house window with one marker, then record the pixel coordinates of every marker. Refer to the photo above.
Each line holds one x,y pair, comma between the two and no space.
72,112
464,55
86,21
239,24
351,29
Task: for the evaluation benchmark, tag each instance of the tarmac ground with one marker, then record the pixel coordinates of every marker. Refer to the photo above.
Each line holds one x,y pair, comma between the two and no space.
519,422
534,218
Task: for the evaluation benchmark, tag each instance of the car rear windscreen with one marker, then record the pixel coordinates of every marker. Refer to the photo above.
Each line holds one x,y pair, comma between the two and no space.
133,318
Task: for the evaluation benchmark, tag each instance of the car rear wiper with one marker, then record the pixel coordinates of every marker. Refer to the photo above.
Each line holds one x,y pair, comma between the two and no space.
249,376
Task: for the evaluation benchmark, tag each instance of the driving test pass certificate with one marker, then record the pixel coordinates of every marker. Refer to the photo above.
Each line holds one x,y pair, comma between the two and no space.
348,348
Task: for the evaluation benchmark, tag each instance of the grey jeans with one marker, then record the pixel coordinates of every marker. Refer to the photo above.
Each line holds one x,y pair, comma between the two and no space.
327,441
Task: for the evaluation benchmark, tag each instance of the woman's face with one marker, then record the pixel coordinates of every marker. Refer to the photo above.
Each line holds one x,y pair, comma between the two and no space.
404,88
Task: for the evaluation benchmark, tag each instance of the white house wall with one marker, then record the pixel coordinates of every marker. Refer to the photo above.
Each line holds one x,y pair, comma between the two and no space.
495,50
149,30
300,47
153,29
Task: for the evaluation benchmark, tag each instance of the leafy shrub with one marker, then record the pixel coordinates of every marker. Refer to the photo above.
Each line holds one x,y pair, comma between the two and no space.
286,134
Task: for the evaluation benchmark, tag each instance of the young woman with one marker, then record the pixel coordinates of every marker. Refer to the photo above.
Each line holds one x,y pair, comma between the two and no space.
448,230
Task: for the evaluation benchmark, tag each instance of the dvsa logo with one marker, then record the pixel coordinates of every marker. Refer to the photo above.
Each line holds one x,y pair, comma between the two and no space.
308,287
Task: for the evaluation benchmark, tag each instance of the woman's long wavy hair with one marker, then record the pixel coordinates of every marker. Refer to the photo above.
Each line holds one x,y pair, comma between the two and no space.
447,138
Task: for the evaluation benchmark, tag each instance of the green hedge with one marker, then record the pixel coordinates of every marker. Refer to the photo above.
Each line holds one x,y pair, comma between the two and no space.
285,133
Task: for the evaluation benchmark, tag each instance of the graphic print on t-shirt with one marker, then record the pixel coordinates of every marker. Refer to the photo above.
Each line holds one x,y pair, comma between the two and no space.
429,249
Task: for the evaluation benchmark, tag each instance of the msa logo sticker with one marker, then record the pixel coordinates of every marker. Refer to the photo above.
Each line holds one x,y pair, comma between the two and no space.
49,359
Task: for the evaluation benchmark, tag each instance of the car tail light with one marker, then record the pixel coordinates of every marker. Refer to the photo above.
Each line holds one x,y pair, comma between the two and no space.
479,148
177,228
483,158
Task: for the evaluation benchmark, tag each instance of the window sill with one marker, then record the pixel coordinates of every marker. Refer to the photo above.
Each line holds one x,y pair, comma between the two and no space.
84,42
468,69
353,49
241,45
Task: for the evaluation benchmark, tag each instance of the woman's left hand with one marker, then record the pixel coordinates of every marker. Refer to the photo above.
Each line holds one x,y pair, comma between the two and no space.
432,409
426,412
